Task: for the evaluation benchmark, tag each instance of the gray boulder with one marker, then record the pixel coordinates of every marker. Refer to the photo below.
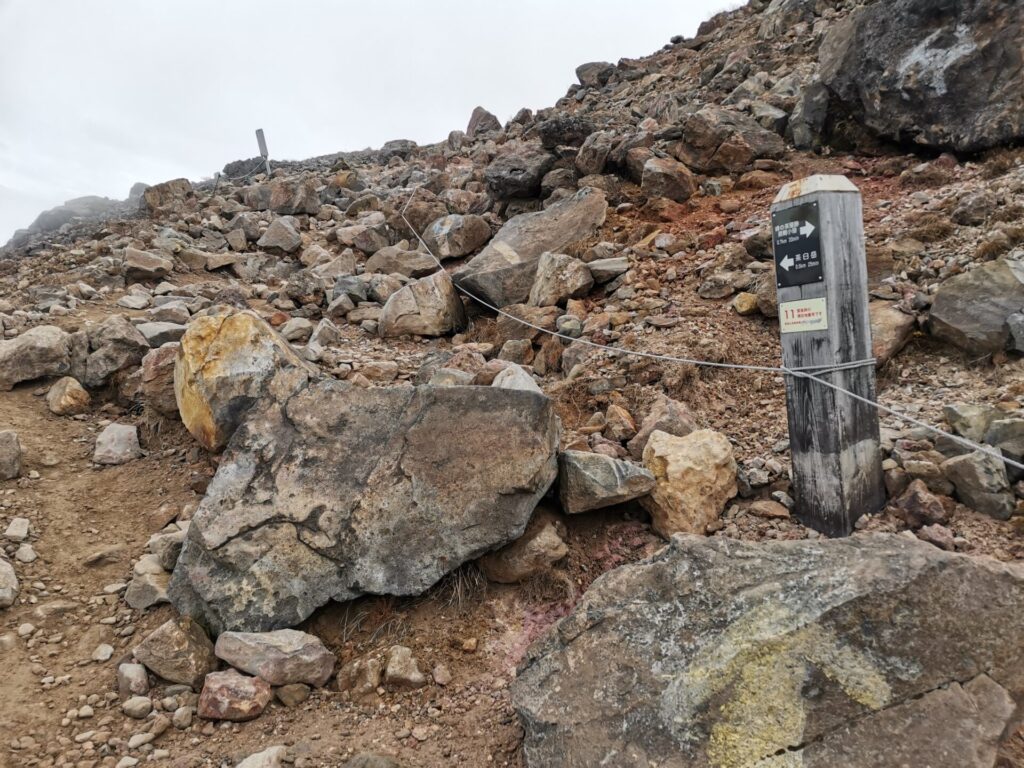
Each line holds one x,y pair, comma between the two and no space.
594,152
594,74
937,73
115,344
9,586
340,491
981,483
41,351
720,140
665,177
972,310
716,652
482,121
117,444
283,233
158,333
284,196
427,307
396,260
559,278
10,455
1015,324
589,481
503,272
457,235
517,170
282,657
143,265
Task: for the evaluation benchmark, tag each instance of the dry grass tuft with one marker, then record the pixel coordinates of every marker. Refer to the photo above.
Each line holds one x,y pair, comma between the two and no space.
461,589
931,227
1000,161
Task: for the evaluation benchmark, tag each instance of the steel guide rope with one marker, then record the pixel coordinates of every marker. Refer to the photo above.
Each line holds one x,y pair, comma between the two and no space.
811,373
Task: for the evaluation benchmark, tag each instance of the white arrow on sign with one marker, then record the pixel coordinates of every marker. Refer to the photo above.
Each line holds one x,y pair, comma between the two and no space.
807,229
787,262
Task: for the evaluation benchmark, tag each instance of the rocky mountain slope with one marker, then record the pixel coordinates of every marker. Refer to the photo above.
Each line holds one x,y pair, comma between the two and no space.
350,465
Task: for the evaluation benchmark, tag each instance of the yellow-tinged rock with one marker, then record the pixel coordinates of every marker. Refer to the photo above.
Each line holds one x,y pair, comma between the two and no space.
226,363
745,303
67,397
695,476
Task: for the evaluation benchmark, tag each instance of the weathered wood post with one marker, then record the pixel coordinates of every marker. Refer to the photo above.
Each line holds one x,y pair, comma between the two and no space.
821,278
262,141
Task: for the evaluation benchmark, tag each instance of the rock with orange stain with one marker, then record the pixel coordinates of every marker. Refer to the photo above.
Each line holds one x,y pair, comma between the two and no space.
226,363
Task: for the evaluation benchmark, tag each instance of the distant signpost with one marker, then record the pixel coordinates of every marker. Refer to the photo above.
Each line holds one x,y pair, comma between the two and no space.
821,279
262,141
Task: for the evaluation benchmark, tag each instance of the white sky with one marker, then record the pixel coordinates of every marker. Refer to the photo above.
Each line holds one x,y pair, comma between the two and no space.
98,94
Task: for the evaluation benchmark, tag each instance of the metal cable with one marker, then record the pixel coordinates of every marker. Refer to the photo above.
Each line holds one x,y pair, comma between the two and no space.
813,373
217,177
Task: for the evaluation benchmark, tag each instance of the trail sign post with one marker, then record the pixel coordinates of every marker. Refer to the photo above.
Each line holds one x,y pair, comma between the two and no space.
821,279
262,141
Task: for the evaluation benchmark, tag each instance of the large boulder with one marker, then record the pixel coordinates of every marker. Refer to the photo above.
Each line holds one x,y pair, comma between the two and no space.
694,477
937,73
971,310
875,650
283,233
457,235
665,177
226,363
167,194
284,196
427,307
503,272
517,170
981,483
559,278
340,491
481,121
114,345
41,351
143,265
396,260
720,140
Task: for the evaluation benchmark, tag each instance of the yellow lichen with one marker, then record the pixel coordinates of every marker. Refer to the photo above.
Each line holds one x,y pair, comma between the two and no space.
761,664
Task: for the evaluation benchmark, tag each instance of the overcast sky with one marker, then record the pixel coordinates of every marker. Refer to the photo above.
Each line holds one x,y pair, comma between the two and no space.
98,94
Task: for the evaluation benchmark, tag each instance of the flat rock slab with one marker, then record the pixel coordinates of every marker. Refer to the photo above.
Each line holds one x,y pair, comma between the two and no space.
874,650
340,491
281,657
589,481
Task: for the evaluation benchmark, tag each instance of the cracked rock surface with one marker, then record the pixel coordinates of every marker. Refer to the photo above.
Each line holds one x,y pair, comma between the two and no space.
876,650
340,491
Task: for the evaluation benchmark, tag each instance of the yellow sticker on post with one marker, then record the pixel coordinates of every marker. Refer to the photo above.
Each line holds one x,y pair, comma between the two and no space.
803,316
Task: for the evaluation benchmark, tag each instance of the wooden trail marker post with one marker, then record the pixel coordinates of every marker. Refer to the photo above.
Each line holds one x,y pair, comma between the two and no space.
821,279
261,140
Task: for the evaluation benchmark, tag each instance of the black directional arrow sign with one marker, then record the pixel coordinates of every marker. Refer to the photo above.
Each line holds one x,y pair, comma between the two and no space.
796,236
